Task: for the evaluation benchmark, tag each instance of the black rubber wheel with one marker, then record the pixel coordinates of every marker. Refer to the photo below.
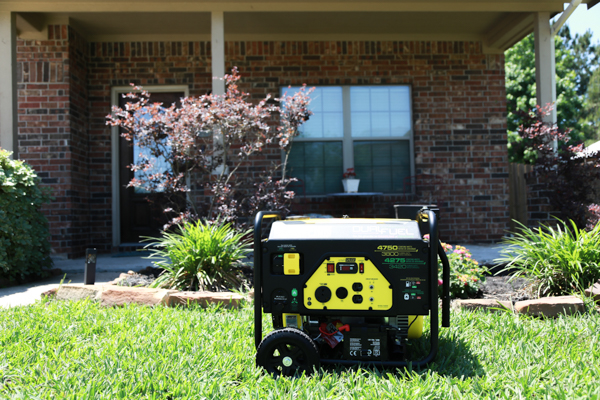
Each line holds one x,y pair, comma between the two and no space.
286,352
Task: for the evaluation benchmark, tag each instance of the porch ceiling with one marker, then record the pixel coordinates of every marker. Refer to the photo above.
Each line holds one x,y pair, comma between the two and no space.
283,5
498,23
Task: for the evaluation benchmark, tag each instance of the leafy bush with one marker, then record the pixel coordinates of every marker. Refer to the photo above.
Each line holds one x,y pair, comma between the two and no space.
568,173
24,247
203,256
560,260
466,275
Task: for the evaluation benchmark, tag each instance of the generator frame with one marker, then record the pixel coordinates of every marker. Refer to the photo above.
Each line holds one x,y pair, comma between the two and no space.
435,248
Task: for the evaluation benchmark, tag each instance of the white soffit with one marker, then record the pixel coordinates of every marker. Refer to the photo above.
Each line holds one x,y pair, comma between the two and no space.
280,5
498,24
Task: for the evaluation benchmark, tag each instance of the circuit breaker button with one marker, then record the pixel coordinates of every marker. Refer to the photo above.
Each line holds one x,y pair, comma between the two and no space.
291,264
361,268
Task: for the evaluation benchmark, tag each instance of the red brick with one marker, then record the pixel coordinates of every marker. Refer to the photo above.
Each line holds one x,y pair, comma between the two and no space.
438,102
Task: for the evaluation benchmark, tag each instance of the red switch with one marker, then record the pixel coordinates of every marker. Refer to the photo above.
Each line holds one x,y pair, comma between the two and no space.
330,268
361,268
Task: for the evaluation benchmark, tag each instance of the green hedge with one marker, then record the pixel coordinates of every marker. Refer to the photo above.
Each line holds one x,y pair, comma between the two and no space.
24,246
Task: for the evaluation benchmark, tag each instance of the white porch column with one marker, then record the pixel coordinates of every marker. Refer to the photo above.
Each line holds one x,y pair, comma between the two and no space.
8,82
545,68
217,33
217,39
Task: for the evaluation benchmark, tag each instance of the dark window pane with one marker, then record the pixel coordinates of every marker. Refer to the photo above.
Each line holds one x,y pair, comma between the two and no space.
313,154
318,166
332,153
382,166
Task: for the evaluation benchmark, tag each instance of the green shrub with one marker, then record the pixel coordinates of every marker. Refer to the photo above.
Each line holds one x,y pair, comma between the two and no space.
466,275
200,256
560,260
24,247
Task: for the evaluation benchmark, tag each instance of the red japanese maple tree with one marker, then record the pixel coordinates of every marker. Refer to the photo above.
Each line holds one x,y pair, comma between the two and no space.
210,138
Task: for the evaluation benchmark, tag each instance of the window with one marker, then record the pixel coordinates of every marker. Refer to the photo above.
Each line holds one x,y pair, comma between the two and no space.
159,164
368,128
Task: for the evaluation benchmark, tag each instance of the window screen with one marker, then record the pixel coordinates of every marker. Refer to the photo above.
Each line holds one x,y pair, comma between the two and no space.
317,165
382,166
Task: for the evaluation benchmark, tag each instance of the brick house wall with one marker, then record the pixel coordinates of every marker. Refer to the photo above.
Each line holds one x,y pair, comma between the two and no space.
459,114
53,134
79,145
539,210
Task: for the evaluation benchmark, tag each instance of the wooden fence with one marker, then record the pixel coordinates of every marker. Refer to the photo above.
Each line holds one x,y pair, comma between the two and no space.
517,188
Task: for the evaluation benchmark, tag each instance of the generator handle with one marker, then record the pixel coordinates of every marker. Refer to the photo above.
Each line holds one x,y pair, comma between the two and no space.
433,254
258,271
445,286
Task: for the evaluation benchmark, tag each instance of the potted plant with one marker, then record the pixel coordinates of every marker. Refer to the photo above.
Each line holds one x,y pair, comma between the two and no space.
350,181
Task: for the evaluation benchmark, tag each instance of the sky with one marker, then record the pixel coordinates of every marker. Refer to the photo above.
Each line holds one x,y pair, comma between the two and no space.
583,19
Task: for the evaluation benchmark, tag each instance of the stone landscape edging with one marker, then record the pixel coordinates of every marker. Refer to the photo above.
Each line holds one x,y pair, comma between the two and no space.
550,306
546,306
594,291
491,305
112,295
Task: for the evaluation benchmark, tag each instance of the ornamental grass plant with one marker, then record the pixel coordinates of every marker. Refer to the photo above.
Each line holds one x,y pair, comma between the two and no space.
560,260
201,255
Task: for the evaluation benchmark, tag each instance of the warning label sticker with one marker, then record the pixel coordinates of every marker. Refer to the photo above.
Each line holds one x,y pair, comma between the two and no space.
372,347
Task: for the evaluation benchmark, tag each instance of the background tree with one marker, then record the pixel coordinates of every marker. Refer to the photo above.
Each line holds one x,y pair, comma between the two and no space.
586,57
592,106
576,60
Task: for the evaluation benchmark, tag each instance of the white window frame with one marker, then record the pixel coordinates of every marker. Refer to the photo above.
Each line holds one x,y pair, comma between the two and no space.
347,139
115,92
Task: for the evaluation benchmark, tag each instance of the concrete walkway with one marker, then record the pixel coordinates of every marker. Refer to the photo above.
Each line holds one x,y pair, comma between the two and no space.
109,267
484,253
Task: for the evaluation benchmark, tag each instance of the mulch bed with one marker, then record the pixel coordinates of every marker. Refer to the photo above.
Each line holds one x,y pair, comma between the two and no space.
142,278
499,288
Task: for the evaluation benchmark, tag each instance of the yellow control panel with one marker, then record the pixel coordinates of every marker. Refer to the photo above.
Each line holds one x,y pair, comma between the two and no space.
347,283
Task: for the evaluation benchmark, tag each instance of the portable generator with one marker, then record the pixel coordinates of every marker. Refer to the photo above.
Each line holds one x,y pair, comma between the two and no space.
347,291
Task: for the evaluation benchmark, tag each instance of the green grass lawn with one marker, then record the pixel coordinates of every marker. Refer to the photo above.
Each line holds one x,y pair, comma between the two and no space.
78,350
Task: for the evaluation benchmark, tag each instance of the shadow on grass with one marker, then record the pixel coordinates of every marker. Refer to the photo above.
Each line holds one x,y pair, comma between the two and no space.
454,359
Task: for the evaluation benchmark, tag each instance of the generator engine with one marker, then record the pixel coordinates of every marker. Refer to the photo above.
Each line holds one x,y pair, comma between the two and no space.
346,291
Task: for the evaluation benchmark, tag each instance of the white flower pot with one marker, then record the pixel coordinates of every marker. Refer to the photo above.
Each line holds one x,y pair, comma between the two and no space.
350,185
